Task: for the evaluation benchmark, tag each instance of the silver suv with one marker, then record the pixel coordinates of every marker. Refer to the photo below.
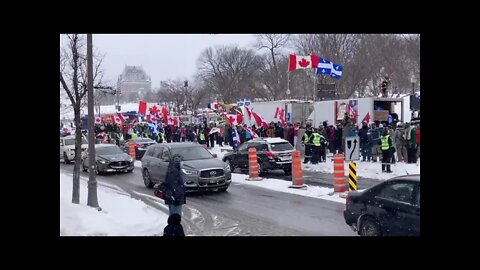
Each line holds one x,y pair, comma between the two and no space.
200,169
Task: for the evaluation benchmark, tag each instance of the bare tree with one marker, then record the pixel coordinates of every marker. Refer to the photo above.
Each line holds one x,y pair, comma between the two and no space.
73,78
229,71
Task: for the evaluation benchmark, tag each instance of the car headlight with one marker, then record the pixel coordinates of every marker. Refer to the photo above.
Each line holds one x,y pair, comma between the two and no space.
186,171
103,161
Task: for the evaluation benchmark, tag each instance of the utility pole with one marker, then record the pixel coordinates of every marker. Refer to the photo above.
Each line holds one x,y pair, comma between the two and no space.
92,181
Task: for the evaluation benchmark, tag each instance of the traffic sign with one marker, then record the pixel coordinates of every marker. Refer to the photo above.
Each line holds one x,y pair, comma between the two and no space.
352,148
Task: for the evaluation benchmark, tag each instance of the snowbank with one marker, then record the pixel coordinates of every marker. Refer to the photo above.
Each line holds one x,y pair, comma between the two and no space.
283,186
120,215
367,169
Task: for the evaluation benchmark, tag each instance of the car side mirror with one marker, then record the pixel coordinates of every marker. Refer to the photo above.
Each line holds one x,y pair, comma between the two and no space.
214,155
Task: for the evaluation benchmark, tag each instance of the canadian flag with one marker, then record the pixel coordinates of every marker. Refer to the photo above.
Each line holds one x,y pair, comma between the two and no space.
213,130
148,108
98,120
116,119
280,113
366,119
260,121
120,115
232,118
173,121
249,113
165,115
303,62
239,118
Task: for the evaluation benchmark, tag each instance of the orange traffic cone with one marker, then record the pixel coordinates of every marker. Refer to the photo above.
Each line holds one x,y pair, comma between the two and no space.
297,174
339,184
131,149
253,165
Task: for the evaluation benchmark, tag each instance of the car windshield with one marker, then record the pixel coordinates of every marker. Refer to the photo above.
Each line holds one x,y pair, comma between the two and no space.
284,146
192,153
110,150
72,141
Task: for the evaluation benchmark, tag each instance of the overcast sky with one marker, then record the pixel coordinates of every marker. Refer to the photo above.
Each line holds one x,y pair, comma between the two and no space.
162,56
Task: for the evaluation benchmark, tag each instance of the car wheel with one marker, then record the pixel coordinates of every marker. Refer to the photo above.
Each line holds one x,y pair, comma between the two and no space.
146,179
65,158
370,227
260,168
232,168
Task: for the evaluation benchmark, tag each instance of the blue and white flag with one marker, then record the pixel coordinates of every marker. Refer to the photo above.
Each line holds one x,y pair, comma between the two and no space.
324,66
337,71
236,138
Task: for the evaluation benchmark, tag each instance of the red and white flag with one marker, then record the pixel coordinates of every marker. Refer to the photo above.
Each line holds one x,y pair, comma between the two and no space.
98,120
260,121
173,121
254,135
366,119
213,130
116,119
280,114
239,118
249,113
120,115
165,115
148,108
303,62
232,118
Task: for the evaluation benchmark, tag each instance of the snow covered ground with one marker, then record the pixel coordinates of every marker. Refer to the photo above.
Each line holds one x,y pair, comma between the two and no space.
121,215
367,169
283,186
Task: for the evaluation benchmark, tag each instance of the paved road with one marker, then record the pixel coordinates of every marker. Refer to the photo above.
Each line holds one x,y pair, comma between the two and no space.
242,210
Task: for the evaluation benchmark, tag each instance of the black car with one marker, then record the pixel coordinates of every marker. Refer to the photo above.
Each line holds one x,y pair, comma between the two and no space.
141,145
109,158
272,153
391,208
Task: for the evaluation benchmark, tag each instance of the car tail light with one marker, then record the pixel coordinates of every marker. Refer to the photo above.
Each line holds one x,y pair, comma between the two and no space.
270,155
348,199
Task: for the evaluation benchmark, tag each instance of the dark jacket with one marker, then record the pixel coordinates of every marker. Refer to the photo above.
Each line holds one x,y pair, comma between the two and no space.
173,186
174,227
363,134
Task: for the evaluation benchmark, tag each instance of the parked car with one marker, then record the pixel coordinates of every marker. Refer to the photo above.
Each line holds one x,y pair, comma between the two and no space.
200,169
67,147
109,158
272,153
141,145
389,208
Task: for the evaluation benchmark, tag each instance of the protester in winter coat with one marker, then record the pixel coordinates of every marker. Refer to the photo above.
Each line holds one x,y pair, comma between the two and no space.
338,139
271,131
290,134
393,149
174,227
279,130
365,142
173,187
418,141
376,151
386,145
411,141
306,142
401,144
331,138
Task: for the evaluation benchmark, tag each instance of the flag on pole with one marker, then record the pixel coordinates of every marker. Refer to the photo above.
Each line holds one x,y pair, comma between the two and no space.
302,62
324,67
337,71
249,113
260,121
366,119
